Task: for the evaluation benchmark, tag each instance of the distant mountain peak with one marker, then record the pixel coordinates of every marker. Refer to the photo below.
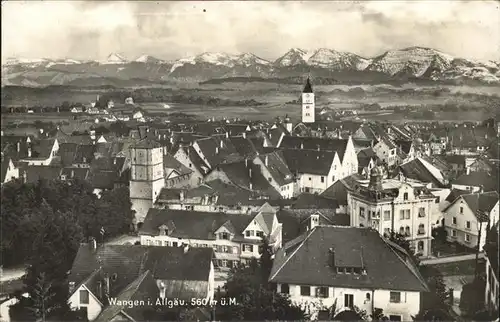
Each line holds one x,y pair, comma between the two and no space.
115,59
148,59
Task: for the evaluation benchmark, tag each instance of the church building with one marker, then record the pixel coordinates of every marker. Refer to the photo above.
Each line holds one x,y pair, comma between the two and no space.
308,106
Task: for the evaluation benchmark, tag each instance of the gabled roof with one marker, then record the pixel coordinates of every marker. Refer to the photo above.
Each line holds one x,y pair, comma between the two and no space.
455,193
309,161
313,201
404,145
76,173
198,225
130,262
277,167
244,146
417,170
313,143
338,191
481,204
5,164
489,181
365,249
169,162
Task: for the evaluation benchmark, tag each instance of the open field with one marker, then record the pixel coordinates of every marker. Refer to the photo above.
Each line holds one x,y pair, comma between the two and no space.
266,101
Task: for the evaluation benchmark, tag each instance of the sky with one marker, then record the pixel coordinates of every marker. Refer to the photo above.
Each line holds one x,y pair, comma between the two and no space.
171,30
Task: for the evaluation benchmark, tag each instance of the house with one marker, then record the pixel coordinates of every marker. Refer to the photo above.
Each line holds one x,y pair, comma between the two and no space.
320,270
77,109
367,160
466,219
387,205
41,152
176,174
104,279
406,150
344,148
275,170
386,151
422,170
476,181
235,238
189,158
483,164
9,171
491,291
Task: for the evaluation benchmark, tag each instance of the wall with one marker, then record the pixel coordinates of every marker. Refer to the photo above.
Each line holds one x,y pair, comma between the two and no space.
460,227
93,307
409,306
492,289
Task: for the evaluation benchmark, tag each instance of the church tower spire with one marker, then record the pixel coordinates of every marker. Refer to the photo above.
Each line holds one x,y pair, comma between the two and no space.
308,105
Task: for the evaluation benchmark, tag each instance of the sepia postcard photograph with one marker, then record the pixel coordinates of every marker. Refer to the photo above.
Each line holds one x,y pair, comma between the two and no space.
250,161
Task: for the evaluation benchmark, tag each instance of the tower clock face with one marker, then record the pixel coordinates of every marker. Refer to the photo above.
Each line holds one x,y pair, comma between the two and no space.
308,95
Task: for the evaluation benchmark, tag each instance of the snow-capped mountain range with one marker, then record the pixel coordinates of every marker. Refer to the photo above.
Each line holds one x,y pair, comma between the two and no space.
402,64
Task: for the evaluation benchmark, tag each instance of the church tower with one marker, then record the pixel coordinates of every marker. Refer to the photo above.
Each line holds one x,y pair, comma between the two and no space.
308,106
146,177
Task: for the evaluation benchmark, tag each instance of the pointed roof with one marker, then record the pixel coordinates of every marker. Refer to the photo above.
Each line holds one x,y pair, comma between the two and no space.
308,87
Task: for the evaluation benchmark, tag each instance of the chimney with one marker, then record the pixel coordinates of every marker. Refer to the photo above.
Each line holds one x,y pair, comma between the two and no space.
18,147
481,189
221,144
216,150
250,173
181,195
171,140
318,147
29,152
246,163
244,135
93,243
301,146
468,170
186,248
331,257
25,176
1,132
72,173
106,285
266,160
250,186
227,135
114,161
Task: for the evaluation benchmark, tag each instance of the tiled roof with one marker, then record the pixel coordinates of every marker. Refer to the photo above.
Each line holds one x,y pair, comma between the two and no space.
43,148
193,224
455,193
103,179
235,129
295,220
313,201
84,154
404,145
76,173
169,162
365,249
312,143
244,146
275,135
67,152
277,167
125,264
146,144
340,188
309,161
39,172
488,181
416,170
481,203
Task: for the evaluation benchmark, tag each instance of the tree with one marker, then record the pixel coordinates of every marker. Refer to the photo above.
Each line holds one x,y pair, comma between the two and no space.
266,260
378,315
401,241
41,298
434,305
255,298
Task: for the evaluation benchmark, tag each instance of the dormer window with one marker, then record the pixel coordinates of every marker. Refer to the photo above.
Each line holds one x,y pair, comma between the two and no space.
405,196
224,236
259,234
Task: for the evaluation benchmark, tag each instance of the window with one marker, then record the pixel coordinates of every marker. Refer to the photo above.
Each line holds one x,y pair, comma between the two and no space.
467,238
405,196
224,263
310,178
421,229
461,210
224,235
421,212
407,214
174,244
84,297
285,288
467,225
305,290
259,234
387,232
401,230
394,317
361,212
407,231
395,297
401,215
454,233
368,297
387,215
333,178
248,248
438,199
322,292
420,246
454,220
349,300
322,179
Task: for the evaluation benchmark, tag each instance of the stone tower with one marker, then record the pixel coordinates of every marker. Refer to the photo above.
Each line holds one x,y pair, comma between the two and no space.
146,177
308,106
